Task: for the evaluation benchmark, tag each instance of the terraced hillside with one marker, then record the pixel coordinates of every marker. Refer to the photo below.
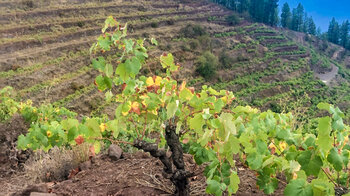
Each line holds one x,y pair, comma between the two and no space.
48,61
44,55
44,52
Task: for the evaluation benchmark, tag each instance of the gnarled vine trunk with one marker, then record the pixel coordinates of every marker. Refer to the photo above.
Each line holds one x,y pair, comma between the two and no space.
178,176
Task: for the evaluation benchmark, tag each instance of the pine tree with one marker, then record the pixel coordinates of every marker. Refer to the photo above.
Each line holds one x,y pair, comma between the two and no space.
286,16
344,33
319,32
256,10
269,12
305,23
311,26
300,17
333,31
295,23
243,5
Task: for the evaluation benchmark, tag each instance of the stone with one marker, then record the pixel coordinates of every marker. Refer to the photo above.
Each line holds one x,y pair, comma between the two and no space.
38,188
41,194
85,166
115,152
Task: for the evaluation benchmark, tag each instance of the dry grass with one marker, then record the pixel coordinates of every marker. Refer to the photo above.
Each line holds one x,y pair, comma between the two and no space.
56,164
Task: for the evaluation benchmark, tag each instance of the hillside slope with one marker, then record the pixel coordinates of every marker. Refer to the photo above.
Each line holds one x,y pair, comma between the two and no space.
44,52
44,55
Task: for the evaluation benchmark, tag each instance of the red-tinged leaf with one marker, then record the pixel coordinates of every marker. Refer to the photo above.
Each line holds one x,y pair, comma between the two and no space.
79,140
150,88
123,86
185,141
191,89
73,172
273,150
136,110
92,151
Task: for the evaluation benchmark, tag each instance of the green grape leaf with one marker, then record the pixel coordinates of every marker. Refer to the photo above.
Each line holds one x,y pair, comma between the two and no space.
72,134
261,147
122,72
322,187
338,124
255,161
185,94
310,163
298,187
324,141
335,159
69,123
171,109
324,106
23,142
103,82
218,105
97,147
229,126
133,66
109,22
214,187
109,70
114,126
154,41
232,146
128,69
197,123
93,126
265,182
99,64
167,60
234,182
104,43
128,45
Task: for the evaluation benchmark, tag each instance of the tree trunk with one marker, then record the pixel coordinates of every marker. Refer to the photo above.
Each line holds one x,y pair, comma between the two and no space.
179,177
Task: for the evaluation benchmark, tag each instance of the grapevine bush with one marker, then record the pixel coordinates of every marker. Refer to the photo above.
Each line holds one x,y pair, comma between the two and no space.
215,133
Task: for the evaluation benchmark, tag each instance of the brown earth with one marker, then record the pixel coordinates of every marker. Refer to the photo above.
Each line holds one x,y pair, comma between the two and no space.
133,175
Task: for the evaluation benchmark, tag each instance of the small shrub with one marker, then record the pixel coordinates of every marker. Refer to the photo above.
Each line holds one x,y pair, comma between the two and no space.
142,9
80,24
185,47
28,4
275,107
145,35
166,47
225,60
192,31
170,22
194,44
207,64
233,19
154,25
205,42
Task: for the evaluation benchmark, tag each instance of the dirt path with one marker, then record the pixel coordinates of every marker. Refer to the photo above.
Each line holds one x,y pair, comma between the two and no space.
327,77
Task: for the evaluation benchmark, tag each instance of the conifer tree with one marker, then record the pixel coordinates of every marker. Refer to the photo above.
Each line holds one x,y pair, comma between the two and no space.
286,16
344,33
333,31
311,26
300,17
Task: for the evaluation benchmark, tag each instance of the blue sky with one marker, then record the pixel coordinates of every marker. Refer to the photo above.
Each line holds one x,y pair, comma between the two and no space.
322,11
